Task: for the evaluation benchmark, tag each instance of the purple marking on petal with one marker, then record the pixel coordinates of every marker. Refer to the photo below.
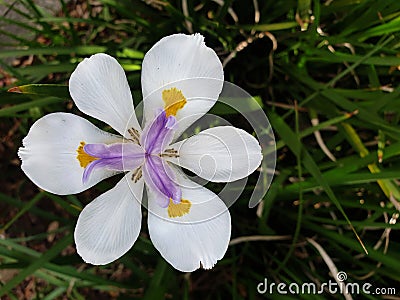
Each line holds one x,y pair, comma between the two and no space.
171,121
160,178
116,157
88,170
158,134
114,150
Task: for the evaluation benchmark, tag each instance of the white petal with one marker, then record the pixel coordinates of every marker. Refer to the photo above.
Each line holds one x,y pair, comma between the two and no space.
219,154
109,226
49,153
186,63
100,89
197,239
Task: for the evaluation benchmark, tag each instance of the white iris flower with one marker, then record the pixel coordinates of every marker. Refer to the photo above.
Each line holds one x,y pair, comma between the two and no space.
65,154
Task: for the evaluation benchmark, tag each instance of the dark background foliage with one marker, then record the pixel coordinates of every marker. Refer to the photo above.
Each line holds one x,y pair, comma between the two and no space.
336,62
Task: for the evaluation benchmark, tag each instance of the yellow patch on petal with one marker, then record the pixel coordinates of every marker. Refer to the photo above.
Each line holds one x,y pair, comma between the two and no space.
180,209
83,157
174,101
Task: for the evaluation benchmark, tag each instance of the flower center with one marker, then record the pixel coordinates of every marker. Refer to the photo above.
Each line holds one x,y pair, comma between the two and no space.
143,155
